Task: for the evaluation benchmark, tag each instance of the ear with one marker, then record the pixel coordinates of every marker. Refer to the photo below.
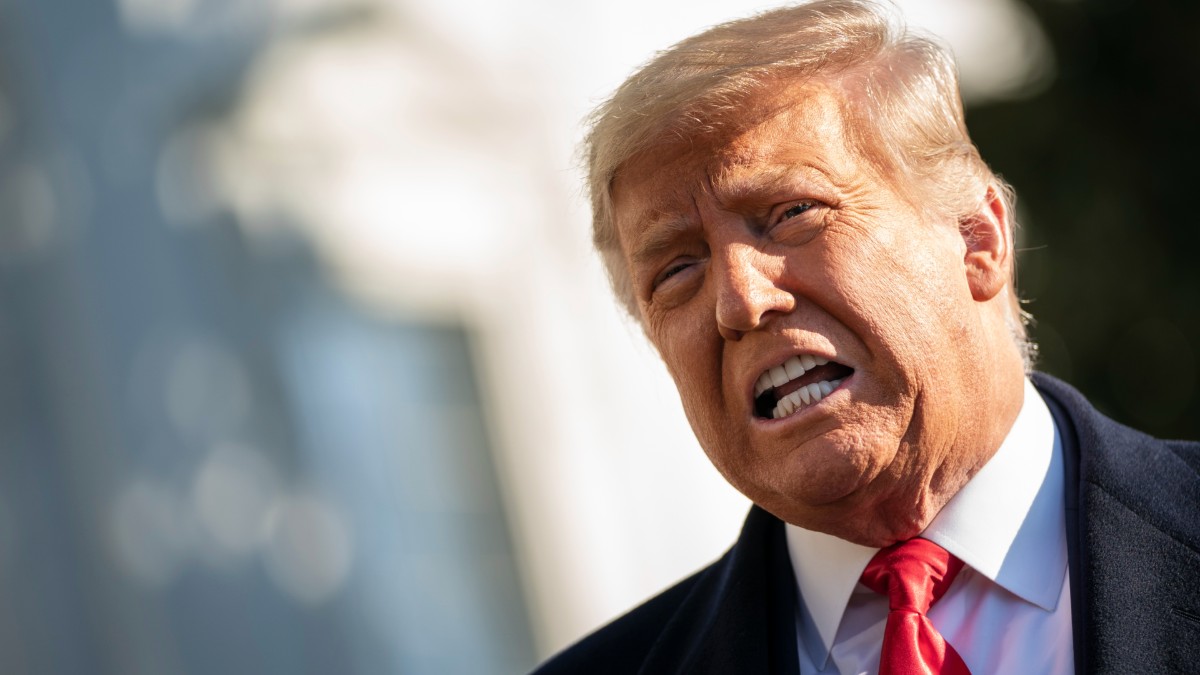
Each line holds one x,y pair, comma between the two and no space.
988,237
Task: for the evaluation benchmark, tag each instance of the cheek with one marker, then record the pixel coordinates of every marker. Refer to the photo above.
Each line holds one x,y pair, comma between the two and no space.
700,392
706,403
905,294
693,365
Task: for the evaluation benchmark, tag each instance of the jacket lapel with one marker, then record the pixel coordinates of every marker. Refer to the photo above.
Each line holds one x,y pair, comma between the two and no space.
740,616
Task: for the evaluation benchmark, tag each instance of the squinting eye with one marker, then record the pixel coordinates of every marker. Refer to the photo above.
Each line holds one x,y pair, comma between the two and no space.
796,210
670,272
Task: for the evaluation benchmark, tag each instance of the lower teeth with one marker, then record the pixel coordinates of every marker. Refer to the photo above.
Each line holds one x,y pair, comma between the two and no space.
804,396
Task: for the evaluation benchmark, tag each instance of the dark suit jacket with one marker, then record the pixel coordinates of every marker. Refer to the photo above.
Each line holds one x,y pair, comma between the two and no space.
1133,532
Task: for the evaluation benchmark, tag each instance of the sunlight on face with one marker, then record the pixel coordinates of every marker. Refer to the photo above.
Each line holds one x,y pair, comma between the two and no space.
775,246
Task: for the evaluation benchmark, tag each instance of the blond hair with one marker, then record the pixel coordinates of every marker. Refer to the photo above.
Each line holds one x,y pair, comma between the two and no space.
902,102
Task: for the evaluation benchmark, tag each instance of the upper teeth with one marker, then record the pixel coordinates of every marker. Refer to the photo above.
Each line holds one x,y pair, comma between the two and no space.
787,371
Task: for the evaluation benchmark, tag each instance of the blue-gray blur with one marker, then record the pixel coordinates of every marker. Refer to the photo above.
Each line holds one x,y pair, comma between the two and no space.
210,461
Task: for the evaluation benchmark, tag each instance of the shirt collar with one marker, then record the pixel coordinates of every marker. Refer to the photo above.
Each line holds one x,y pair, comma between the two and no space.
1007,523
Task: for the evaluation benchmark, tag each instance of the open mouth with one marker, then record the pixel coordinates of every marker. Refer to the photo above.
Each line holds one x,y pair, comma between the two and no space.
795,384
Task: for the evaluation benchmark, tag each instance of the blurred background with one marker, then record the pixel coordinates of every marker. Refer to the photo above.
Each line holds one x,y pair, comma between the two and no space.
306,365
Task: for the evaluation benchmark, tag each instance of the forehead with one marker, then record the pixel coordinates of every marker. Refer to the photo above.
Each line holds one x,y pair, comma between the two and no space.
798,129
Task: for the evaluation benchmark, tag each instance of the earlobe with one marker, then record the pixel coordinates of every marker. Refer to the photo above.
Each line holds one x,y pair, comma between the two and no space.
988,237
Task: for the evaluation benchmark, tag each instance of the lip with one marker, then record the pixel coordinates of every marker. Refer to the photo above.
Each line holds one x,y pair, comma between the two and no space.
769,423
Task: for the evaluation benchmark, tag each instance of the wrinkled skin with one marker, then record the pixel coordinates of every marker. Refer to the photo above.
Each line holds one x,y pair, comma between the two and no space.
779,238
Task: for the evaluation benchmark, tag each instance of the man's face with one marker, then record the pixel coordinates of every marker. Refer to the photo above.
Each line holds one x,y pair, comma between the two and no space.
824,334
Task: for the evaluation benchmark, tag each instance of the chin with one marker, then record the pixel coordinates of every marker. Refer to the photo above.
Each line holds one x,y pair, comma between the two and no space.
812,502
838,484
834,468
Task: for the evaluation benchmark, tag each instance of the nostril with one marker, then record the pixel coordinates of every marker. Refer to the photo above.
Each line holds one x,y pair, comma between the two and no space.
739,315
748,288
730,334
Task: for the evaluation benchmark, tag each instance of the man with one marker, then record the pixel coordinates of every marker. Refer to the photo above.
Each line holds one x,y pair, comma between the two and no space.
792,208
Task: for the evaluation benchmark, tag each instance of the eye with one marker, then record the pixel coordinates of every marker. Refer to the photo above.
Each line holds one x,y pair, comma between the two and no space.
795,210
797,222
671,270
678,280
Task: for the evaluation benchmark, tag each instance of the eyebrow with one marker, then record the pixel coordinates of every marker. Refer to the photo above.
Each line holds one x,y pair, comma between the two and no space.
661,230
658,235
735,188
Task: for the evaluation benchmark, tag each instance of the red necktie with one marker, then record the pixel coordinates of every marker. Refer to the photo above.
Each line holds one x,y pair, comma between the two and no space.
914,574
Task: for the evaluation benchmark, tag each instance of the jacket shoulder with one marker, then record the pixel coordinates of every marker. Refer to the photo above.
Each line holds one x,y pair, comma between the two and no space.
1137,513
1188,451
1155,479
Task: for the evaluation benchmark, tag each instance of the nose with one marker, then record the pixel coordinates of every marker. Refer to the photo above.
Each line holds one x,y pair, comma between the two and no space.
748,292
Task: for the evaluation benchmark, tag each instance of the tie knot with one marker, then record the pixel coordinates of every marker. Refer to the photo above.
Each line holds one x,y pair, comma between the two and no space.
913,574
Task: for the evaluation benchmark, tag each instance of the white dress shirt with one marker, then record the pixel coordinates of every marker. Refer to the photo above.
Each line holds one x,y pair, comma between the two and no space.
1009,609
